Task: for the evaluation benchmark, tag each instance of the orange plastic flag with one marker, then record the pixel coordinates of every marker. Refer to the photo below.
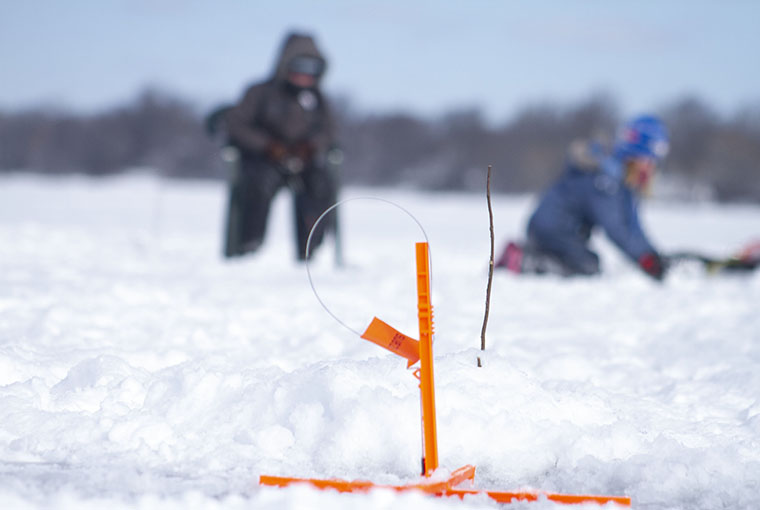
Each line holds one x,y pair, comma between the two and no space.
385,336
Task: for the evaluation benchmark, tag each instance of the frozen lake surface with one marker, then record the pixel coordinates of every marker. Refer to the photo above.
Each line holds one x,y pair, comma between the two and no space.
138,369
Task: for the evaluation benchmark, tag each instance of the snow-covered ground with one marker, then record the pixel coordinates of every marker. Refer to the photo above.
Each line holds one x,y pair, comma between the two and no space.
138,369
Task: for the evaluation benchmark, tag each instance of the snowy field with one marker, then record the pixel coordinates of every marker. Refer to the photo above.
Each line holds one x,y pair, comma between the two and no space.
138,369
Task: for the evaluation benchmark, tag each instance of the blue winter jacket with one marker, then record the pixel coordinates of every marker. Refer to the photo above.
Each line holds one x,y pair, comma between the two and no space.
590,193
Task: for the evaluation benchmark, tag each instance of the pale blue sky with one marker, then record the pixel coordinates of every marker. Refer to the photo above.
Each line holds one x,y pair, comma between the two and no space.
426,56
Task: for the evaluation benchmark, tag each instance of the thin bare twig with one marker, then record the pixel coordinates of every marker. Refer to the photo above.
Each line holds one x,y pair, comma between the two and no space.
490,266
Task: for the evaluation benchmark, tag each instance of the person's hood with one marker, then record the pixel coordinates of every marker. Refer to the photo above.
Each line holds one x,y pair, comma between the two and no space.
296,45
593,156
585,155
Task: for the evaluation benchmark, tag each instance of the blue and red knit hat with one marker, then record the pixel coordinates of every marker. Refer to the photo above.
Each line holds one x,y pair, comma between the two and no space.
643,136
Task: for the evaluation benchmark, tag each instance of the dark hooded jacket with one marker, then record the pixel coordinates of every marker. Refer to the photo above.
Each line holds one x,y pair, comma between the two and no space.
590,193
277,111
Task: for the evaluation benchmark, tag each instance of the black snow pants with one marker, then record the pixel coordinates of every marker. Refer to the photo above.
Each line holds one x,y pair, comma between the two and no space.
252,191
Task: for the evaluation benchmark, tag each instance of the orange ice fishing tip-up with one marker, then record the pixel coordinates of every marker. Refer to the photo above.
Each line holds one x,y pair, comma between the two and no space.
413,350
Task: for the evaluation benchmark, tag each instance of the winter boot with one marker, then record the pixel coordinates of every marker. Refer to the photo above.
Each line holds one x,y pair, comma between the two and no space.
527,258
511,258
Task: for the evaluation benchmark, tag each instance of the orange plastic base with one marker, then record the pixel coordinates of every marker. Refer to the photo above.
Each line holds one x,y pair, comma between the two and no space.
442,488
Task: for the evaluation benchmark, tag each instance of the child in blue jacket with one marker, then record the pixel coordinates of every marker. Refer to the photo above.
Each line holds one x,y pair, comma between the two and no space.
597,189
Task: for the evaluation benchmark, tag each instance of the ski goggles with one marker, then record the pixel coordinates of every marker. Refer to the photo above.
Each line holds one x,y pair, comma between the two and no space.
312,66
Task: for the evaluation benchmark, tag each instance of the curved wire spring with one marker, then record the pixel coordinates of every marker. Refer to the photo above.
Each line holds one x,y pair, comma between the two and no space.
322,216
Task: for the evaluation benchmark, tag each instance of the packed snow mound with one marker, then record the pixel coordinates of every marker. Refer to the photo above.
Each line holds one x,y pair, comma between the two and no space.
139,369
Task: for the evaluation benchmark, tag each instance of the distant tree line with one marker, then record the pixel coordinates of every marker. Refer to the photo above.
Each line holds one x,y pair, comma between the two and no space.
451,152
156,131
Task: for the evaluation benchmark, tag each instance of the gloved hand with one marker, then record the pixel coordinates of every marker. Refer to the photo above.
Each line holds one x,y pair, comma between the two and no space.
653,265
276,151
303,151
293,158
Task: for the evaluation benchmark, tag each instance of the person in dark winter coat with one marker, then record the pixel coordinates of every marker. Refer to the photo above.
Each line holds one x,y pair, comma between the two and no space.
285,135
597,189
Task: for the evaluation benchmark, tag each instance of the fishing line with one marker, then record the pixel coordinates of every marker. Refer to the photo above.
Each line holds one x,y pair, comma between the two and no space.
322,216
